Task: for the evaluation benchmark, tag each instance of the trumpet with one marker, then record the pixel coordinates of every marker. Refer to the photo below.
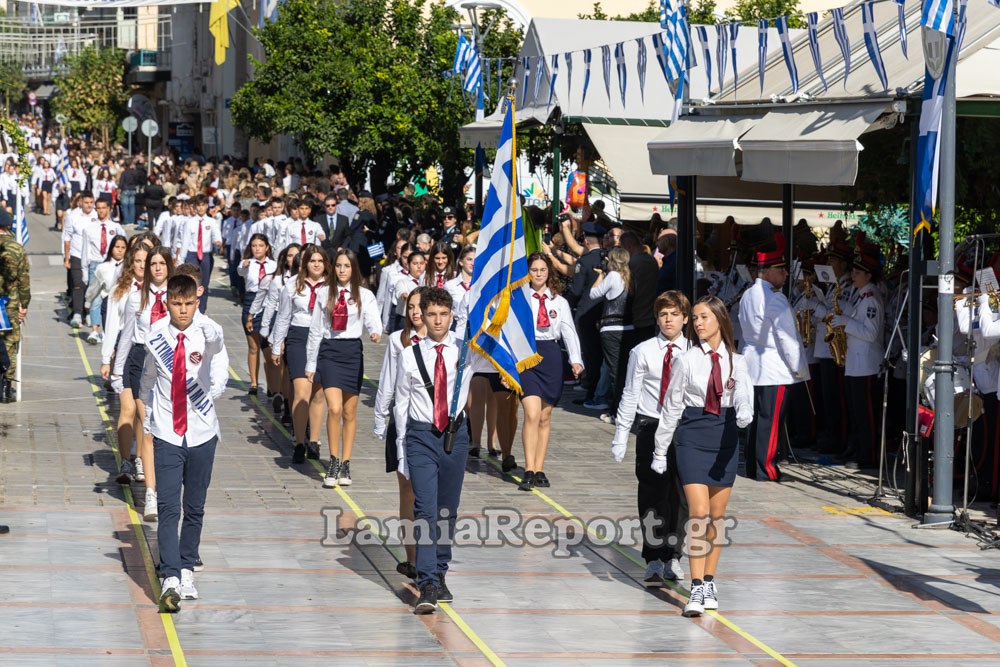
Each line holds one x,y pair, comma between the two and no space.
994,298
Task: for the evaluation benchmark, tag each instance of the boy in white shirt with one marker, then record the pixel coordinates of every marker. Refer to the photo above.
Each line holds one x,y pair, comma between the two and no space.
185,370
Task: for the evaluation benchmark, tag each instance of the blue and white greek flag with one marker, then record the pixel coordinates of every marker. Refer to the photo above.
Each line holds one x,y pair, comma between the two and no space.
62,164
995,3
734,32
641,64
376,250
939,15
268,12
840,33
21,220
721,51
962,23
526,73
553,75
4,318
461,56
606,67
812,19
586,74
620,66
539,70
473,73
786,50
871,43
675,45
703,40
901,10
761,51
501,327
568,57
928,144
661,54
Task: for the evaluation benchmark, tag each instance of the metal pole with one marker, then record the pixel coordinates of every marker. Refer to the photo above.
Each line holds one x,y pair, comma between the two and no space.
556,199
913,331
149,154
787,223
130,144
687,197
942,509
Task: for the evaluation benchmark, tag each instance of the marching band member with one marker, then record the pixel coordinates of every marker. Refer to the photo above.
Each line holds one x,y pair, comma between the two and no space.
831,376
650,366
709,398
774,357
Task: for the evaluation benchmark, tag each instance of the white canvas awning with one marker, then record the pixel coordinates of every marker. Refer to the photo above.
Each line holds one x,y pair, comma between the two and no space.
698,146
817,146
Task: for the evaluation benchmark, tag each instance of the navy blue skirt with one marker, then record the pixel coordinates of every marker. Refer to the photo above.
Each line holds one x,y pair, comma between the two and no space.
341,364
134,362
258,319
546,379
707,447
295,353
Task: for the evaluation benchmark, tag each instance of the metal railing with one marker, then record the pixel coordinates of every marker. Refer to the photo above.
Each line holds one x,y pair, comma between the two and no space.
41,49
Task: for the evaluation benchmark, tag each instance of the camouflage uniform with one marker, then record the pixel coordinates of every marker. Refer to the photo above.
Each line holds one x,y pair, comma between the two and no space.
15,284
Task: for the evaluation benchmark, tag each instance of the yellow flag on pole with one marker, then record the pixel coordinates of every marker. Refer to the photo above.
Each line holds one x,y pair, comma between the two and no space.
218,25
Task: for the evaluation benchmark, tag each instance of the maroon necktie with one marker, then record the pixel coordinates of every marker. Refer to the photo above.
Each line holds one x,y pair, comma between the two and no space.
668,361
340,313
303,233
713,397
159,310
138,285
104,240
543,312
178,387
440,280
414,339
312,295
440,391
200,253
466,285
261,273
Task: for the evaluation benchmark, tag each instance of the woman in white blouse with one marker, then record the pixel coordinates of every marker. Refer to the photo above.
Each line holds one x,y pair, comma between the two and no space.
709,398
100,287
614,287
542,384
335,353
105,187
257,264
266,305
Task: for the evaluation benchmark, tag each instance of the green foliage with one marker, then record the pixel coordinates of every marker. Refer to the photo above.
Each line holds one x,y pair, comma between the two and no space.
363,80
92,91
12,84
755,10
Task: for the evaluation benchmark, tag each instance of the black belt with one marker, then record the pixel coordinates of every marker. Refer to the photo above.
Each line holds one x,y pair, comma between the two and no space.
414,425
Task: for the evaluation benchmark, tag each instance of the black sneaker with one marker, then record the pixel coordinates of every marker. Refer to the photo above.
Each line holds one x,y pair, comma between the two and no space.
276,403
332,473
473,452
541,480
344,478
444,595
527,481
252,391
300,454
407,569
6,529
285,418
312,451
508,463
427,602
198,565
494,453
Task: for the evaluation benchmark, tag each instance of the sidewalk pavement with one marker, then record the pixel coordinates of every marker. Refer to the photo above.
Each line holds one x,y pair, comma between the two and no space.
813,576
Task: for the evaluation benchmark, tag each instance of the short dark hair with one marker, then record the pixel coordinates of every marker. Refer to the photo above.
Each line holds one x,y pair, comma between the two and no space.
436,296
182,287
673,299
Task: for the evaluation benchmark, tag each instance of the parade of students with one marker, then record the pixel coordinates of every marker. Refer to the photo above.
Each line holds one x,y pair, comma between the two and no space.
334,355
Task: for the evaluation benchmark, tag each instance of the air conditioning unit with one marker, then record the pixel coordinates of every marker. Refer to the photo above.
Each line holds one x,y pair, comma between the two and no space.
61,17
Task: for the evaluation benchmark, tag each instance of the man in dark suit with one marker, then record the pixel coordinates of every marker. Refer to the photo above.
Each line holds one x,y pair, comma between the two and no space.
335,225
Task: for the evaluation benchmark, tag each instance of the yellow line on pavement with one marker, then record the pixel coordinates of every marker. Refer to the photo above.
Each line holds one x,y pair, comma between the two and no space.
168,622
363,518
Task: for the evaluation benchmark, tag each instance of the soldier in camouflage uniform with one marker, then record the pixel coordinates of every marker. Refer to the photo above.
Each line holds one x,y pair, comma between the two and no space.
15,285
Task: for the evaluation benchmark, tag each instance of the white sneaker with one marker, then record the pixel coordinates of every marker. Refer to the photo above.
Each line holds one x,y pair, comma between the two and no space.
696,603
607,418
674,570
654,574
140,473
149,512
93,338
711,595
170,598
187,589
76,321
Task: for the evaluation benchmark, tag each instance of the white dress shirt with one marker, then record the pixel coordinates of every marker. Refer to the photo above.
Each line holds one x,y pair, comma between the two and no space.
91,241
321,327
207,367
104,280
412,400
774,354
293,233
984,366
73,226
387,381
293,310
387,290
162,228
642,381
458,287
863,320
405,284
251,272
113,322
688,388
276,229
187,239
267,299
136,323
561,325
261,226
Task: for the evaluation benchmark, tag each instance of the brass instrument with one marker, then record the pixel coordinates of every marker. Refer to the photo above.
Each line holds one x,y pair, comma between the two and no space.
803,318
836,337
994,298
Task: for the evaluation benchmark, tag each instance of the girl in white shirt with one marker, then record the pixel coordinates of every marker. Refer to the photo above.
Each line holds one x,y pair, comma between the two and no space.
393,269
105,187
129,427
266,304
459,286
709,399
414,276
542,384
444,266
256,265
335,353
100,286
289,337
413,330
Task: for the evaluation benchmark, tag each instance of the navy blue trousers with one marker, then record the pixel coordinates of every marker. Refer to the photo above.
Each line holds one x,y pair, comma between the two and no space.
437,487
182,474
205,265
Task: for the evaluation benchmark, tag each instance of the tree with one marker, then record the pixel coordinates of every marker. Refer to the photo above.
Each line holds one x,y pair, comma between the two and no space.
12,84
363,80
754,10
701,13
92,91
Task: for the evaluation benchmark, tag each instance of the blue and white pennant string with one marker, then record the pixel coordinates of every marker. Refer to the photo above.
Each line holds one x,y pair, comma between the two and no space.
871,43
786,49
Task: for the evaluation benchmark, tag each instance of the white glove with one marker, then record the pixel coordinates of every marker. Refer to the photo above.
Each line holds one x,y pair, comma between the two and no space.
117,384
618,450
659,465
840,321
744,416
379,427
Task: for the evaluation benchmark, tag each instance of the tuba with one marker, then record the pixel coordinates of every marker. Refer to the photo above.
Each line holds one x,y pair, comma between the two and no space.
803,318
836,337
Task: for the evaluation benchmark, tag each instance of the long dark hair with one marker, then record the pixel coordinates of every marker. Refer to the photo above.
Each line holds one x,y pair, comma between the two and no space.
407,325
126,277
147,276
718,308
248,254
553,283
334,291
111,246
303,258
445,249
283,260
